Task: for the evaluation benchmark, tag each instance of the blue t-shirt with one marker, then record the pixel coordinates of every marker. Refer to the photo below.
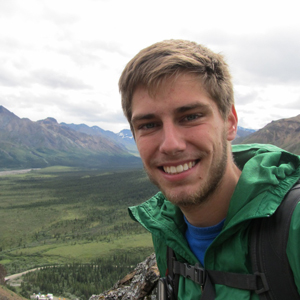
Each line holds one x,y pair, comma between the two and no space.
199,238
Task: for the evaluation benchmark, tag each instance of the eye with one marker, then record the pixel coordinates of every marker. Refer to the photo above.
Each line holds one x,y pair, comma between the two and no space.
147,126
191,117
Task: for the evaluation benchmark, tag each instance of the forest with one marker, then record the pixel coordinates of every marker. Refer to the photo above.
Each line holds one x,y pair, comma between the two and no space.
80,281
72,218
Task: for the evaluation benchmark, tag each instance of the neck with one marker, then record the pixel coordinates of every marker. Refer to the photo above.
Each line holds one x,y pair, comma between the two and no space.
214,209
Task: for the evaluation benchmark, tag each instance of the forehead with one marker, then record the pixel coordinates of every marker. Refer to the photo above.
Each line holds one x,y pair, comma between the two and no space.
169,82
172,92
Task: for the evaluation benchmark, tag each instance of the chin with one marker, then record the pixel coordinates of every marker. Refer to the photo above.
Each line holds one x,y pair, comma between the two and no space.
184,199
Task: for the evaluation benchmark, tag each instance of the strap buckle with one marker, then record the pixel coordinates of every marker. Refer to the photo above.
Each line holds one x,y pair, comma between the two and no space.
195,273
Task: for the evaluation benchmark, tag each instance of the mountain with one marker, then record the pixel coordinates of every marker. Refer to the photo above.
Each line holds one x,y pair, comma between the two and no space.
284,133
28,144
126,134
124,137
243,132
94,130
127,139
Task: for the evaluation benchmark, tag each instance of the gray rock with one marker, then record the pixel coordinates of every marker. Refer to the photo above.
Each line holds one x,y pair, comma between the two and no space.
137,285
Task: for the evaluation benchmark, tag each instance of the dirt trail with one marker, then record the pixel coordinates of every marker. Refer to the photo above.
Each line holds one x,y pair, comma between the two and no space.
15,276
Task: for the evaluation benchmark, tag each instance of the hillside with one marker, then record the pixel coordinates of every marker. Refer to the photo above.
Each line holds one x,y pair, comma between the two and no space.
284,133
6,294
27,144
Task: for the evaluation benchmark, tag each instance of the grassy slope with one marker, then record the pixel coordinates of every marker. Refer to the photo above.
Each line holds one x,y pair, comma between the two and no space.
62,215
6,294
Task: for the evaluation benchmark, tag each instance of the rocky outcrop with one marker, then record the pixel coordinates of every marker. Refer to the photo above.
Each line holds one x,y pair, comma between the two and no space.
138,285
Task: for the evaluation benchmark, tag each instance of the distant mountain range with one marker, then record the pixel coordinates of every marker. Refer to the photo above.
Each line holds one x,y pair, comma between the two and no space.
243,132
28,144
124,137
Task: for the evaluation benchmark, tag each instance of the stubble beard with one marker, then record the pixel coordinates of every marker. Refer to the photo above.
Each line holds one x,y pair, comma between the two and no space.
206,188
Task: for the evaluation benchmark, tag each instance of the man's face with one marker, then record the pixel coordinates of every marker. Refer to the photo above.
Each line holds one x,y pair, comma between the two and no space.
182,139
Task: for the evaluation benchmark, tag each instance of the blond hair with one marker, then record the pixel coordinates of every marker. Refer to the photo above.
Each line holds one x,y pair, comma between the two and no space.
171,58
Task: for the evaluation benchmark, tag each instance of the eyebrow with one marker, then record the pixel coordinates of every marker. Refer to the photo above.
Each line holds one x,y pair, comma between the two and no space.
142,117
185,108
181,109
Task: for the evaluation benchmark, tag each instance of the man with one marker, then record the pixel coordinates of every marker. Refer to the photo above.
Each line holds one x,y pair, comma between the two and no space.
178,99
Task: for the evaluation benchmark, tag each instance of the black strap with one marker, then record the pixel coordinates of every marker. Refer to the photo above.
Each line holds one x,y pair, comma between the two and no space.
269,239
255,282
172,278
207,278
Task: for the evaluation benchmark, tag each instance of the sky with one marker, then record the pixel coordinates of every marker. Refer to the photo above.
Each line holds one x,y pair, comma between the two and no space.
63,58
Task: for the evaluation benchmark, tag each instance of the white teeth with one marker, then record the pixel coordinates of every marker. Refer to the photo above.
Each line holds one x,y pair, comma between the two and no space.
179,168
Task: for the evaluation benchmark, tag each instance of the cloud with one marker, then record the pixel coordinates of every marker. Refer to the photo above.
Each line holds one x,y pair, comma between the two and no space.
112,118
7,8
55,80
63,59
9,44
270,58
7,78
90,111
61,18
246,98
294,105
106,46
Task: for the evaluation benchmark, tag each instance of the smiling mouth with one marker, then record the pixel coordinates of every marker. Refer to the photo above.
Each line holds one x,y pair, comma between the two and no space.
179,168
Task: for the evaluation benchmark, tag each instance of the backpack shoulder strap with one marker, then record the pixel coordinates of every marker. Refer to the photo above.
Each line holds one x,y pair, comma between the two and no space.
272,277
268,243
167,288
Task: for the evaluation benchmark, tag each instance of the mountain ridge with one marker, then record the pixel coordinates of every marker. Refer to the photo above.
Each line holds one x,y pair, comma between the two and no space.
124,137
25,143
284,133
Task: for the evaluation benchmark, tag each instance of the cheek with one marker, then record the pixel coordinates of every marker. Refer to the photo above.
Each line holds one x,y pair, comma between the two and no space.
199,132
202,138
145,149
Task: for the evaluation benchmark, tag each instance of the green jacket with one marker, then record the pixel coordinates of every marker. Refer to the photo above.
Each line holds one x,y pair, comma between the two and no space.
268,173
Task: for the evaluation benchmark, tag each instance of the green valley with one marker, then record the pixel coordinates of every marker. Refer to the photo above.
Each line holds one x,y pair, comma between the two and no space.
64,215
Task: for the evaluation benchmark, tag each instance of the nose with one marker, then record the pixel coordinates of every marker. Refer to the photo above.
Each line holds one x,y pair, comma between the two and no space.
172,141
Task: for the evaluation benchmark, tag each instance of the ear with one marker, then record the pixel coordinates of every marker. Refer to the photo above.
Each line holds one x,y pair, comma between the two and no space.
232,121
